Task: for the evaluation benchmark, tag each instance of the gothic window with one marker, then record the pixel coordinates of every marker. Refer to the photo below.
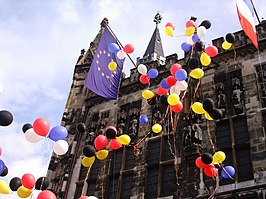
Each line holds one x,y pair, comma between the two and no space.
130,158
161,174
232,137
127,183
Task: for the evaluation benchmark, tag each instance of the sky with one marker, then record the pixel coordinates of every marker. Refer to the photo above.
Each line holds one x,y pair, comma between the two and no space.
40,42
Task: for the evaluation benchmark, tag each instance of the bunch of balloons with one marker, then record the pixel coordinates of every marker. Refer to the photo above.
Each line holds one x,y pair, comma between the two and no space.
169,29
146,75
121,54
102,144
24,186
208,109
229,40
3,167
211,163
41,129
6,118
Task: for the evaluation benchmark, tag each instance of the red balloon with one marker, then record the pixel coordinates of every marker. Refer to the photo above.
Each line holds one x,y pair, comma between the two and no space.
190,23
83,197
129,48
200,164
177,108
162,91
100,142
171,80
174,68
210,171
28,180
46,194
171,25
114,144
212,51
41,126
1,151
144,79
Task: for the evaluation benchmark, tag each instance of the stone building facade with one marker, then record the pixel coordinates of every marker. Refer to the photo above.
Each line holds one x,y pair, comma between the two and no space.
163,166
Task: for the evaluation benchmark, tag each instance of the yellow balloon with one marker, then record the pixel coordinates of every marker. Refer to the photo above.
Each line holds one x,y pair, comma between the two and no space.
88,161
102,154
218,157
190,31
23,192
197,107
156,128
112,66
197,73
207,116
169,31
147,94
173,99
4,188
205,59
124,139
226,45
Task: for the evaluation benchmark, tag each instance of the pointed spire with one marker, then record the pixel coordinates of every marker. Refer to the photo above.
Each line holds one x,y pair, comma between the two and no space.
154,50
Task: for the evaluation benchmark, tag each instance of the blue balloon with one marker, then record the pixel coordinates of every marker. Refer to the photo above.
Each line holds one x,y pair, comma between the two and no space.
143,119
113,48
186,46
195,38
153,73
2,166
181,75
228,172
58,133
164,84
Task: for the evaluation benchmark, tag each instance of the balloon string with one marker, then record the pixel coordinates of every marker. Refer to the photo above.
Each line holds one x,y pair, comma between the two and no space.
216,188
85,181
209,136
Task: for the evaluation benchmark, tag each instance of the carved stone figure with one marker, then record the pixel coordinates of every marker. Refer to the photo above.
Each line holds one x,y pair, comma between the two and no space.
221,97
237,96
121,125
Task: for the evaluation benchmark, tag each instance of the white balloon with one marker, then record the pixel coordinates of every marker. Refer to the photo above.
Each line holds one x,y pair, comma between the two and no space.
61,147
92,197
142,69
201,31
175,89
189,40
31,136
181,85
121,54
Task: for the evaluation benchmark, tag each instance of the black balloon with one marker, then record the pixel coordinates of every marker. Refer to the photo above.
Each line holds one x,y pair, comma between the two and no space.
206,24
163,99
89,151
152,101
42,183
110,133
15,183
208,104
5,172
193,63
26,127
81,127
6,118
200,46
230,38
216,113
206,158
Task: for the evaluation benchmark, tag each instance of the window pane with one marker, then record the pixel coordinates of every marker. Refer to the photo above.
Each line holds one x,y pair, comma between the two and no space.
95,169
116,161
130,158
223,135
241,131
153,153
168,183
244,165
78,191
126,186
112,188
151,183
91,187
167,155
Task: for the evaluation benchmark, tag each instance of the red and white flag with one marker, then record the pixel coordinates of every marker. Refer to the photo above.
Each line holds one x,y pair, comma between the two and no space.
245,14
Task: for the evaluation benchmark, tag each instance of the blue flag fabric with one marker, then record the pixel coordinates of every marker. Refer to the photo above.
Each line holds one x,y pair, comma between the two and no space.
100,79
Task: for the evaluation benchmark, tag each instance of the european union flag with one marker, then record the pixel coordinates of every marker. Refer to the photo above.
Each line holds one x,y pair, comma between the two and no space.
100,79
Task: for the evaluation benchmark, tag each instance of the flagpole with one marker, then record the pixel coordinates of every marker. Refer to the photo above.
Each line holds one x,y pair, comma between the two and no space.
120,43
255,11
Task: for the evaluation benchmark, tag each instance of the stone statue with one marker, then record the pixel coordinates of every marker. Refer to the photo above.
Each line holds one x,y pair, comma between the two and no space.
221,97
121,125
237,96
